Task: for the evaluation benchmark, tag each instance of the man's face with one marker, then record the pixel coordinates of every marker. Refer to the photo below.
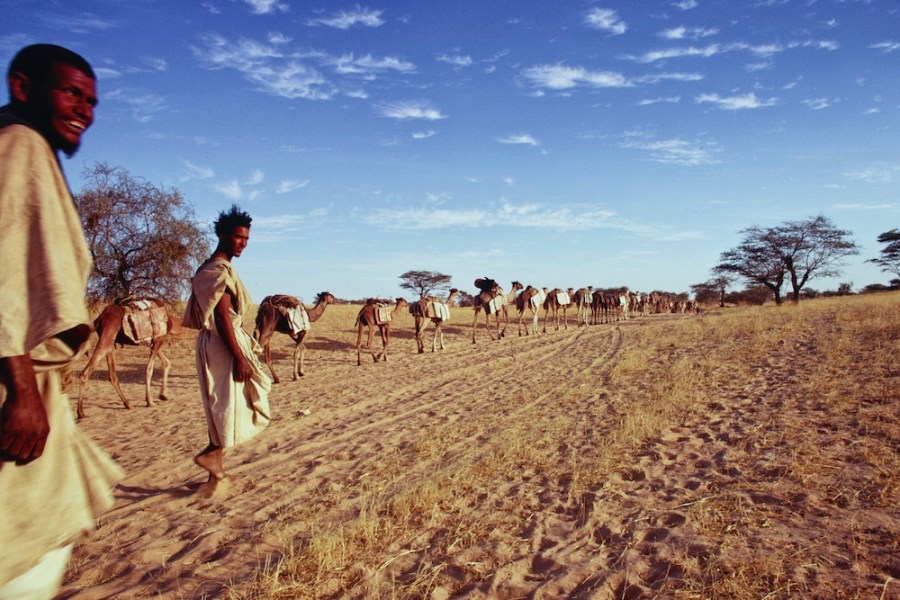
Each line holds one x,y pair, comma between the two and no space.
64,107
234,244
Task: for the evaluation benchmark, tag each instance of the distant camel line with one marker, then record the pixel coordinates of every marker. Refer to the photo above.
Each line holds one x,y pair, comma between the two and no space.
120,322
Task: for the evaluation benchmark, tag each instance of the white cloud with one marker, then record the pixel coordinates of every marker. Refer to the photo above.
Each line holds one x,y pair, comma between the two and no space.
197,172
256,177
231,190
142,106
879,172
676,151
817,103
656,55
686,4
886,46
660,100
359,16
692,33
421,135
456,60
561,77
347,63
606,19
735,102
410,110
289,185
520,138
266,7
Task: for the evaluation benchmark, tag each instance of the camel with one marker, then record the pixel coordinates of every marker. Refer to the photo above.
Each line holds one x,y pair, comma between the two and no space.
531,298
557,299
493,300
582,299
274,315
420,311
150,323
375,314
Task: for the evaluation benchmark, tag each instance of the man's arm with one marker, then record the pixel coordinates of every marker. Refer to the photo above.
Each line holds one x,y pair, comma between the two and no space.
23,420
222,316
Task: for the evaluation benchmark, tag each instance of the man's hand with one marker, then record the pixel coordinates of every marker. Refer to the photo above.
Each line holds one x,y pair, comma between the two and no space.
242,369
23,420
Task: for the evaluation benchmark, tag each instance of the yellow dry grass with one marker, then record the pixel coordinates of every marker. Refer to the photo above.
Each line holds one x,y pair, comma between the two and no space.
741,453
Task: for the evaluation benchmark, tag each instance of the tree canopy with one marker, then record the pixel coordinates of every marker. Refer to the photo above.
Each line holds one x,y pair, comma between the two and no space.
795,250
424,283
889,261
144,240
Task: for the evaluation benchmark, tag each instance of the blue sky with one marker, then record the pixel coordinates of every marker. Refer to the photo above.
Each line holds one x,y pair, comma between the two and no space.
559,143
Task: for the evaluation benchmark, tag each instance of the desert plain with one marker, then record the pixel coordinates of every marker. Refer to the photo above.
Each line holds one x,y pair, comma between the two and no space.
742,452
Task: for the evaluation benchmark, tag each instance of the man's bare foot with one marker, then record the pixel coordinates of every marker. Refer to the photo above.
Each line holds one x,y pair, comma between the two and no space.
211,460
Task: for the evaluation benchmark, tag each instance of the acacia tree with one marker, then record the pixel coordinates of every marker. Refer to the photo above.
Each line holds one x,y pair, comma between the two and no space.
424,283
144,240
712,290
889,261
797,250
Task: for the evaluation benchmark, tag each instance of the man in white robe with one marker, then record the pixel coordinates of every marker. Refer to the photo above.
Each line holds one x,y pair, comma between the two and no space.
233,386
54,482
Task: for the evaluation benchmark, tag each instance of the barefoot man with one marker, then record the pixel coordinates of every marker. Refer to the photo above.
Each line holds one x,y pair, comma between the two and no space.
54,482
233,386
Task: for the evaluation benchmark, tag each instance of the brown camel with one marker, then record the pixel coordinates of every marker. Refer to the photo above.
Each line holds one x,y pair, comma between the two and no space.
376,314
435,310
582,299
531,298
557,299
274,315
131,322
493,300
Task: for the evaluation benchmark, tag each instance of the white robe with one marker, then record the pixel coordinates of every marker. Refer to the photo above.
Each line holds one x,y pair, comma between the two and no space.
51,501
235,411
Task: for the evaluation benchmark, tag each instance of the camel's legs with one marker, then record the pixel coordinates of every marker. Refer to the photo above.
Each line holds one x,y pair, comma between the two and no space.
265,340
385,332
114,377
421,323
359,333
156,347
299,351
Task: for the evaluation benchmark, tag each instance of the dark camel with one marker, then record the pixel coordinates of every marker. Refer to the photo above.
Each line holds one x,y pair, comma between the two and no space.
367,318
582,299
488,291
556,299
109,326
419,310
272,317
531,298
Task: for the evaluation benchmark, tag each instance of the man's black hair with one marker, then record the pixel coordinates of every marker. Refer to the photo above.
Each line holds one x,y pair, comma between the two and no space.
228,220
36,62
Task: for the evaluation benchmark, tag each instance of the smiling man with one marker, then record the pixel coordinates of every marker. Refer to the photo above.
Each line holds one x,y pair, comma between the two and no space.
54,481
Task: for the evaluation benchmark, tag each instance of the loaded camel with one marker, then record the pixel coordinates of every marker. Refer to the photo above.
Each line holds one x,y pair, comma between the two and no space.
582,299
531,298
435,310
493,300
131,322
284,314
556,299
376,314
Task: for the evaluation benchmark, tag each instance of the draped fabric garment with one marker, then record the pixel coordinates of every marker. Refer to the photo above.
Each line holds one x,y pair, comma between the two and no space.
51,501
235,411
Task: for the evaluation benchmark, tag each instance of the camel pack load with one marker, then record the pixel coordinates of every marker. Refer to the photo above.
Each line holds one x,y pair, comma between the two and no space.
293,311
562,298
538,299
382,314
143,321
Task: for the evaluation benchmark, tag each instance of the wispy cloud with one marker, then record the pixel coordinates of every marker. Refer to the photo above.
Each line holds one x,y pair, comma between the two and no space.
817,103
266,7
686,4
606,19
413,109
655,55
358,17
746,101
231,190
879,172
660,100
289,185
143,107
689,33
676,151
197,172
421,135
562,77
81,23
347,63
256,177
886,46
520,138
455,60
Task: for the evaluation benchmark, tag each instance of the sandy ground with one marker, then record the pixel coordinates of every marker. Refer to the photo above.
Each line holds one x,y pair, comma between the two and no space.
592,541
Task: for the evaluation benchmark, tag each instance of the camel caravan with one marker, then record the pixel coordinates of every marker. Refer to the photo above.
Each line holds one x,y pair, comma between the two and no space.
148,322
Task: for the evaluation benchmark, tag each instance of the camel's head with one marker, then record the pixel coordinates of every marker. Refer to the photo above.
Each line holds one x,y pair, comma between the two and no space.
401,302
517,285
325,297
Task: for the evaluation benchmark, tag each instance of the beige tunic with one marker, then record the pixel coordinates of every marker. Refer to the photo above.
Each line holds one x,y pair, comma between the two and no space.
51,501
235,411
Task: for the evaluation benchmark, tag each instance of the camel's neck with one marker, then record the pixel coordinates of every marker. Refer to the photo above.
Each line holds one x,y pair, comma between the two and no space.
396,310
450,298
316,311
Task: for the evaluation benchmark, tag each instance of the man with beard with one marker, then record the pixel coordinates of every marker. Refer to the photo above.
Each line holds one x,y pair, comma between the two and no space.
54,481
